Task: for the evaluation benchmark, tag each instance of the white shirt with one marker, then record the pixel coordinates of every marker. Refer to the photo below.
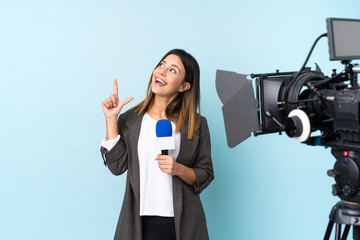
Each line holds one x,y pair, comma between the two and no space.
156,193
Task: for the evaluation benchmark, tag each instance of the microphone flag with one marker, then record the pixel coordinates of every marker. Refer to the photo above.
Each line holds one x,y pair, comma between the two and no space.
164,135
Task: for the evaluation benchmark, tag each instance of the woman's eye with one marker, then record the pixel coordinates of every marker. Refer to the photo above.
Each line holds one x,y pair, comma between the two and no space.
161,65
172,70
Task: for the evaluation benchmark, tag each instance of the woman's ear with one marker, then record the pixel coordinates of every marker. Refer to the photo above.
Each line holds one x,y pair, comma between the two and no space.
186,86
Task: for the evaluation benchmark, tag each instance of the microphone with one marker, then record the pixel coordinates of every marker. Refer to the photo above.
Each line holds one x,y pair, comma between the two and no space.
164,135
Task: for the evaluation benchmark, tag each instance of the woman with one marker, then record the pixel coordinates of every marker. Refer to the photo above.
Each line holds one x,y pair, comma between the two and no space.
162,191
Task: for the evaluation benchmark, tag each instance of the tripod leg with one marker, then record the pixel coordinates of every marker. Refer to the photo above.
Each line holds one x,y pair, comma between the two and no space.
328,230
346,232
338,231
356,232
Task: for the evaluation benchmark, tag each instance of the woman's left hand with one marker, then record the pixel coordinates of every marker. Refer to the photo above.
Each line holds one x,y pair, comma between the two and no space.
167,164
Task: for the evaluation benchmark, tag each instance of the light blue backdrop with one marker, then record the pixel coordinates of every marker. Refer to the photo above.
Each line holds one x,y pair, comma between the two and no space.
57,63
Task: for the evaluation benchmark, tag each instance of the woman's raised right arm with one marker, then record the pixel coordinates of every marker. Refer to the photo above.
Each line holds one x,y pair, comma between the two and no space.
114,158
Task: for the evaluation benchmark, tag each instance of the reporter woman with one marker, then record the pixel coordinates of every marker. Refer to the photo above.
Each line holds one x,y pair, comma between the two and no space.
162,191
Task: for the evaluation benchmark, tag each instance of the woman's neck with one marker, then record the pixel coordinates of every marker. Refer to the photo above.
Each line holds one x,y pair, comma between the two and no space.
158,109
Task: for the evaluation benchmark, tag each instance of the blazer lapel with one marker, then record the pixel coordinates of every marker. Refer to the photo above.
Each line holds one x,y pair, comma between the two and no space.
187,147
134,125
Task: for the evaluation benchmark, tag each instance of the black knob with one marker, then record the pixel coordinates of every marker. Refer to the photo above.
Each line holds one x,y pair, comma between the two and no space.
336,190
348,190
332,173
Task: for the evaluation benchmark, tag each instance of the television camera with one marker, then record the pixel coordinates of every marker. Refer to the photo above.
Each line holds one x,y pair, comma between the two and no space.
304,102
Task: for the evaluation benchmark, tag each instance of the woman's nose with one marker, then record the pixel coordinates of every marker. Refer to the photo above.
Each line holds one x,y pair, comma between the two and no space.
162,71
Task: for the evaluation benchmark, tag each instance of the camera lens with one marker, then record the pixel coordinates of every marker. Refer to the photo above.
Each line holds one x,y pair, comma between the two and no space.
293,126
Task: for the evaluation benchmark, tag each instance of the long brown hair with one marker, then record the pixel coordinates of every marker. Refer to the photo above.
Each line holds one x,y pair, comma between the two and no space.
185,107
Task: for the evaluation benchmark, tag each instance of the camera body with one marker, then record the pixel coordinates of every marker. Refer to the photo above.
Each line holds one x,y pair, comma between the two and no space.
320,104
331,105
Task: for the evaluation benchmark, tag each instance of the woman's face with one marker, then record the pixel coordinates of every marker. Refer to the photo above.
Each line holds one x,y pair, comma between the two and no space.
168,77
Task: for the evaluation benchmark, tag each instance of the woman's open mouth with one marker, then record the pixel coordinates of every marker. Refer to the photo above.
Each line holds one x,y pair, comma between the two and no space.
160,82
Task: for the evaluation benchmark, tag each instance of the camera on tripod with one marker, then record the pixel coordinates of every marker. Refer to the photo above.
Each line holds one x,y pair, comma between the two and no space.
304,102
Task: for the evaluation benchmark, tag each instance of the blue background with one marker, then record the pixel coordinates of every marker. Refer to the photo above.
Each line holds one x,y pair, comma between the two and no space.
57,63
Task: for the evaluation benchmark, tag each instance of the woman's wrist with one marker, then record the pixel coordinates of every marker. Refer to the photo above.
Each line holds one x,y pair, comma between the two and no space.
186,174
112,118
111,128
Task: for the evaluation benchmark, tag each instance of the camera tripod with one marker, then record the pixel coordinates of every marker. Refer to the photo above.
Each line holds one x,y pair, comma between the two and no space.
344,213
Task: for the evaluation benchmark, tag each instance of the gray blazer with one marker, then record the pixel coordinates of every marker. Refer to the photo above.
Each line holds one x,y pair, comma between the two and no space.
189,216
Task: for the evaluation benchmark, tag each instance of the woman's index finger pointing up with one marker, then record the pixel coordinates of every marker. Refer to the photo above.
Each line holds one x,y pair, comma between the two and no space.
115,87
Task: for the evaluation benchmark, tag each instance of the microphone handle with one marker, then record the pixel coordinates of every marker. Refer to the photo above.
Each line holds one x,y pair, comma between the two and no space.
164,152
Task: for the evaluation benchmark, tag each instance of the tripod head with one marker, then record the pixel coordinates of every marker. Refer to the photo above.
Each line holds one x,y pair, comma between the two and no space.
346,173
